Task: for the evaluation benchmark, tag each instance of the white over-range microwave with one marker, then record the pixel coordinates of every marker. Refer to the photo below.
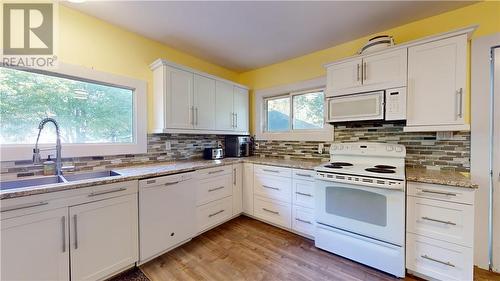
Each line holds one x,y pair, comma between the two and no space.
387,105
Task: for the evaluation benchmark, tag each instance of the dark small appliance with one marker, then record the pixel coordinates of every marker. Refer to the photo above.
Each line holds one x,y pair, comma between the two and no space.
238,146
213,153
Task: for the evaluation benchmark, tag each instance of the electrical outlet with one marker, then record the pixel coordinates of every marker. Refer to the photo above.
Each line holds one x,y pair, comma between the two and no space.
167,145
320,148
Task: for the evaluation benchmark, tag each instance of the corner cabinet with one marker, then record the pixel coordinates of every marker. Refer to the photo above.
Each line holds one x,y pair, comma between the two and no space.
437,84
189,101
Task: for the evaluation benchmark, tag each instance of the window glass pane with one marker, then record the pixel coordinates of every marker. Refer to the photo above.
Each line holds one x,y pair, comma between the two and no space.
278,114
308,111
87,112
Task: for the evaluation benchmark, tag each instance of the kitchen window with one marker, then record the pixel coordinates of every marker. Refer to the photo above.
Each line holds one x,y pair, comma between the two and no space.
295,111
292,112
98,113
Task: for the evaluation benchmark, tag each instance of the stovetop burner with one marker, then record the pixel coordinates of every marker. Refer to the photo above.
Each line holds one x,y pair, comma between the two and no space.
332,166
341,164
381,171
385,167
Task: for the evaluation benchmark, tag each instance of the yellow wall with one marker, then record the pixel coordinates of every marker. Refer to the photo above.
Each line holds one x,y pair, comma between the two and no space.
485,14
88,41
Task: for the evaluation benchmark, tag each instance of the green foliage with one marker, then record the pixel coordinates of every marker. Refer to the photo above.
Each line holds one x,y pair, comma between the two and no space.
87,112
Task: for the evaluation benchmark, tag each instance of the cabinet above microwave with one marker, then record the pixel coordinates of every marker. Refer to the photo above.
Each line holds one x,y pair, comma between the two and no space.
367,73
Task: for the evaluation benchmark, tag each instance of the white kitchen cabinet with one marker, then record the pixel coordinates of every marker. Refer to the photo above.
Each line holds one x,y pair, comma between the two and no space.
224,113
386,70
343,76
204,102
437,85
166,213
36,246
240,109
237,189
103,237
179,94
189,101
248,188
213,213
273,211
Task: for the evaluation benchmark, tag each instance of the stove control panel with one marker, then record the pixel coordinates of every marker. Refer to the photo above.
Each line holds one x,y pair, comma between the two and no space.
368,149
360,180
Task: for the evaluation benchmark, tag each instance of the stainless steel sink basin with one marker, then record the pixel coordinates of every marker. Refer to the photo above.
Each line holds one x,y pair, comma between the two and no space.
91,175
30,182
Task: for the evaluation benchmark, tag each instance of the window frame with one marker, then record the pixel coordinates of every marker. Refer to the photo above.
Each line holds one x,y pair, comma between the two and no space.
291,90
14,152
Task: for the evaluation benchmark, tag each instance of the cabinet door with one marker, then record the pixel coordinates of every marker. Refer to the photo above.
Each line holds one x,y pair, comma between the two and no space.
35,247
103,237
248,188
167,216
224,114
387,70
241,109
237,188
179,99
204,102
343,76
436,82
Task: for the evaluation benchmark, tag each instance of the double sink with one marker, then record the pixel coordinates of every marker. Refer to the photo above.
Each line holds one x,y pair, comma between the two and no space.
33,182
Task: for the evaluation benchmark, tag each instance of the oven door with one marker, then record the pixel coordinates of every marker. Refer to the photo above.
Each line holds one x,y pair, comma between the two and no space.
372,212
369,106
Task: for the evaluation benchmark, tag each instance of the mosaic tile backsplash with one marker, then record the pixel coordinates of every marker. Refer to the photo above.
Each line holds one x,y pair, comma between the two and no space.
182,146
423,149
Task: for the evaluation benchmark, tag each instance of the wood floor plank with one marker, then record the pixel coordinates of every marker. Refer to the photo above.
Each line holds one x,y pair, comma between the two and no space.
247,249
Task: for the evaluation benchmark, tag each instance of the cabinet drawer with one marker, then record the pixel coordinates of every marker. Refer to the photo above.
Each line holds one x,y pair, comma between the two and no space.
215,171
303,220
438,259
303,174
212,189
450,222
273,187
273,211
213,213
441,192
273,171
303,193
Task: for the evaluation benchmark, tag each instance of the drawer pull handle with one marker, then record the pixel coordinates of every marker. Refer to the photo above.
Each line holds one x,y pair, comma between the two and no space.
272,212
214,189
439,192
304,194
303,175
215,172
107,191
63,224
270,187
150,181
25,206
216,213
438,261
271,171
440,221
304,221
75,221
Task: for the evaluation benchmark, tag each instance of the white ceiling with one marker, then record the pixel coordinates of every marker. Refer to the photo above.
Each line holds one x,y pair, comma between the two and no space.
247,35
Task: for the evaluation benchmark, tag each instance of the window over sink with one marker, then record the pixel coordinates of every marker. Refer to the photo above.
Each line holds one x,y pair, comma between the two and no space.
98,113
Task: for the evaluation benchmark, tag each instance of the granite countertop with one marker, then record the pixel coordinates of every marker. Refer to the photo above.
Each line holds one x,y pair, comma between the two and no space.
450,178
154,170
137,172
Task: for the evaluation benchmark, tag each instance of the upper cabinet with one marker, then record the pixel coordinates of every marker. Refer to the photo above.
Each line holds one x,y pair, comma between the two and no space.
436,84
188,101
367,73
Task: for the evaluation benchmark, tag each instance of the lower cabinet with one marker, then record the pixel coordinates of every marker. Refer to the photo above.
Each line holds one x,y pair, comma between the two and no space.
213,213
103,237
273,211
303,220
35,247
247,188
237,189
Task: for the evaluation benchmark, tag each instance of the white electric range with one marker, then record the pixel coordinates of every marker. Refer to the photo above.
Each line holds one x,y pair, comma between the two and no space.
360,204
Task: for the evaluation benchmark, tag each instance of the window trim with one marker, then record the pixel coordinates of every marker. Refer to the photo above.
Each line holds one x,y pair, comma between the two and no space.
260,113
12,152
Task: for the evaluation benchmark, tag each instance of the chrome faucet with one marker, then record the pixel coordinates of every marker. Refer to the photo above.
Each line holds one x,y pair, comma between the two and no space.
36,151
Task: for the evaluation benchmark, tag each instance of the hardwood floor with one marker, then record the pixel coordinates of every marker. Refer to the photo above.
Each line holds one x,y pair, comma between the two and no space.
246,249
